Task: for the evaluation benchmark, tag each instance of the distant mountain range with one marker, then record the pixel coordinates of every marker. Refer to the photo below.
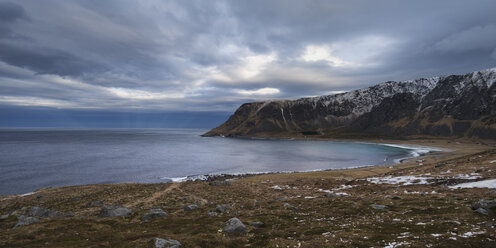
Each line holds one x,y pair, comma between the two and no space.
447,106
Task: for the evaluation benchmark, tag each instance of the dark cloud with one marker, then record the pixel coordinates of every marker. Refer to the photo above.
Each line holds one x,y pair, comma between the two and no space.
204,55
10,12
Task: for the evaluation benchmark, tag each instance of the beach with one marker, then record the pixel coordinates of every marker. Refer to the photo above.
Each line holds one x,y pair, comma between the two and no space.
415,203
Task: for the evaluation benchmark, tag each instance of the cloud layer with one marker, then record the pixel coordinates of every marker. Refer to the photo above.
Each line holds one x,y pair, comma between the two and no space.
214,55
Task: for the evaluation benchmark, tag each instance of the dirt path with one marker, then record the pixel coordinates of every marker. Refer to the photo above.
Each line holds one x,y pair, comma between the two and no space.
155,195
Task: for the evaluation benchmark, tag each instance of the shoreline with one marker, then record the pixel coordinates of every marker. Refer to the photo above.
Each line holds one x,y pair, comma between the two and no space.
414,149
442,149
414,203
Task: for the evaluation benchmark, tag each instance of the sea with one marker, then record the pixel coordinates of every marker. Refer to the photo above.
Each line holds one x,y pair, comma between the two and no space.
31,159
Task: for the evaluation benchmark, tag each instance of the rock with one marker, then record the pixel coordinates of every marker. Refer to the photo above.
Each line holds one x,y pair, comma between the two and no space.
25,220
153,214
16,213
69,214
111,211
222,208
330,194
97,203
481,211
234,225
164,243
488,205
256,224
289,206
379,207
393,197
212,214
37,211
282,198
190,207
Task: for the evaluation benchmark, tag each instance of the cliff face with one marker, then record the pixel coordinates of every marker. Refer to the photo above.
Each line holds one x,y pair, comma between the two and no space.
457,105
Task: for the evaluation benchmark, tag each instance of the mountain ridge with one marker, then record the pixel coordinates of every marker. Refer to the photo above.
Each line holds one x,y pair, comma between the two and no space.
444,106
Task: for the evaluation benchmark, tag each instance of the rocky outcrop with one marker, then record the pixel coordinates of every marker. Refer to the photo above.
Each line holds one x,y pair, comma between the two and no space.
449,106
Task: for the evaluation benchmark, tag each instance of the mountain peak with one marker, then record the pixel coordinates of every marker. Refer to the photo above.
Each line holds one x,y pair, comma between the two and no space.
455,105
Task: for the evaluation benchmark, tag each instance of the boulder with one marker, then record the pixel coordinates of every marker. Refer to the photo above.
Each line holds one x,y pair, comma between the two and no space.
164,243
111,211
97,203
222,208
488,205
330,194
212,214
379,207
153,214
481,211
25,220
38,211
190,207
289,206
69,214
234,225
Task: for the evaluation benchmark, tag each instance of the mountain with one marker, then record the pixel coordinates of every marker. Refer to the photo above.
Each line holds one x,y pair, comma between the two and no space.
448,106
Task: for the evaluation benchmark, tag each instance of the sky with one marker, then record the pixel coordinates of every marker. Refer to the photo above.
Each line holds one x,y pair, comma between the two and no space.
196,57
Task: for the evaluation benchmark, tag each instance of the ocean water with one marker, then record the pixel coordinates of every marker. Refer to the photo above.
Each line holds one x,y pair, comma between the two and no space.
37,158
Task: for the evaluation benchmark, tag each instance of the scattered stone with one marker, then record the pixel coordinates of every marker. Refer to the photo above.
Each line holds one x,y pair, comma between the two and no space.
212,214
153,214
69,214
222,208
481,211
25,220
5,216
393,197
164,243
282,198
287,205
256,224
190,207
112,211
379,207
330,194
488,205
16,213
234,225
97,203
38,211
236,213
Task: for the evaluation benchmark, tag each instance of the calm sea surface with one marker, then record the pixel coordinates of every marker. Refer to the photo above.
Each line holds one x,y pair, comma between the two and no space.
36,158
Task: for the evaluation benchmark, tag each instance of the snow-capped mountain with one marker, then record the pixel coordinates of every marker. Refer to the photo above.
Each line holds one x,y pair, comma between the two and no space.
456,105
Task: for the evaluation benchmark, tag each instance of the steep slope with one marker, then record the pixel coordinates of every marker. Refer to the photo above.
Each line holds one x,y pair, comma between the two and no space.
457,105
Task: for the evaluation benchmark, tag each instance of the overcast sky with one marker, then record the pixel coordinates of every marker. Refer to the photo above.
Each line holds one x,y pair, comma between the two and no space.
215,55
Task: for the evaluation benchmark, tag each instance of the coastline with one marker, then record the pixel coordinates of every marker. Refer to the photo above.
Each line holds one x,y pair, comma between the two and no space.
411,203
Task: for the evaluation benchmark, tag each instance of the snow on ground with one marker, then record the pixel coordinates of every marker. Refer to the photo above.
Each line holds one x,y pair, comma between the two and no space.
420,179
396,244
403,180
470,234
490,183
